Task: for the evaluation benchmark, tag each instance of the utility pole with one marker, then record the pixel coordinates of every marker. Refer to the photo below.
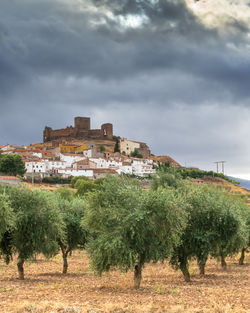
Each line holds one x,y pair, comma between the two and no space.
217,167
32,176
222,166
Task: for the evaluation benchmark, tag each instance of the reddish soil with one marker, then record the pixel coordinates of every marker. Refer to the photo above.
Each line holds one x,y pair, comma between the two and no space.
45,289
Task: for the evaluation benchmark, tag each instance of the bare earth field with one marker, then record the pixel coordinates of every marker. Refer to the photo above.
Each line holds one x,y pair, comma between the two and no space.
162,290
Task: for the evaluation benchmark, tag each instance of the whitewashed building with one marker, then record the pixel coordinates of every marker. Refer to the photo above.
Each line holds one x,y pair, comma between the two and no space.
69,159
107,163
44,166
67,172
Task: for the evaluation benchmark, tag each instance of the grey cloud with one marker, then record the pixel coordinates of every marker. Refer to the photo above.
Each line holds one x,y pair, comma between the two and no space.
62,41
58,61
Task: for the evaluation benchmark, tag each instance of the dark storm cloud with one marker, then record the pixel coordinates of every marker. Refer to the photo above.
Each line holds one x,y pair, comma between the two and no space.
59,59
44,38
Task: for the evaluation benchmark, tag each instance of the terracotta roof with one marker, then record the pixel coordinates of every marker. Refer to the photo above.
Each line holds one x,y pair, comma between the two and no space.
104,170
73,154
9,177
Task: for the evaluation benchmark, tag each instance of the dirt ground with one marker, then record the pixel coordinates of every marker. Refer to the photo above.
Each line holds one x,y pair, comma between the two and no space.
45,289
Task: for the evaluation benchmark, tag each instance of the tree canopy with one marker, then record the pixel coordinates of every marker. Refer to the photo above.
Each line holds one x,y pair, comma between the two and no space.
38,226
12,164
75,237
214,226
129,226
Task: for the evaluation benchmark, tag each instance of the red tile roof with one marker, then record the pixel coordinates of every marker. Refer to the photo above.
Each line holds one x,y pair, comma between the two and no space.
9,177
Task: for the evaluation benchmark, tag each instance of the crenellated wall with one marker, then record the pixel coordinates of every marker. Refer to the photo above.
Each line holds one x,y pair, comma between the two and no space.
80,131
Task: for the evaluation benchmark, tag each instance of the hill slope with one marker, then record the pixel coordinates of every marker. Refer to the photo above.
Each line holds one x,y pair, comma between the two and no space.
243,182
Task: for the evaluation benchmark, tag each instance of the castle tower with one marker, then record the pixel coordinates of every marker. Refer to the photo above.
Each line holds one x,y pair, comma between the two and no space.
107,130
82,123
46,134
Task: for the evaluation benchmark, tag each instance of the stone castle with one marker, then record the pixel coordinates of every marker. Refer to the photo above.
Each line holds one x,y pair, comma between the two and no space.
81,130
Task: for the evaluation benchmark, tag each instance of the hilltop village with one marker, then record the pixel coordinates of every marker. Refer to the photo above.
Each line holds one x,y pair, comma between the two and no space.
82,151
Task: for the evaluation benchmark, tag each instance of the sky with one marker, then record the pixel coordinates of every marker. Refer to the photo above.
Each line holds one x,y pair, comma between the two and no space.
172,73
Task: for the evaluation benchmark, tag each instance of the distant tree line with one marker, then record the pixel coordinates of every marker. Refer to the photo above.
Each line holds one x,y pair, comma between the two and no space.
192,172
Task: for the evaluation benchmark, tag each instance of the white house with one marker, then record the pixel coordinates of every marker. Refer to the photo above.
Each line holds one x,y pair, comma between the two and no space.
69,159
142,169
38,166
67,172
110,163
43,166
88,153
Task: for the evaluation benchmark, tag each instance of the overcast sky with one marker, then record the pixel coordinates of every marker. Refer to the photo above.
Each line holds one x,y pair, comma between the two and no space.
172,73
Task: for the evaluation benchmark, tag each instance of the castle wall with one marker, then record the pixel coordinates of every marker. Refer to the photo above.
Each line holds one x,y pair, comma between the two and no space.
80,131
59,133
95,133
82,123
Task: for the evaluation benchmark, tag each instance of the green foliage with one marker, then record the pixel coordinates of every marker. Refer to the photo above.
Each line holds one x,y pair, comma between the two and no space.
136,154
99,181
12,164
56,180
65,193
102,148
233,229
76,180
166,178
7,217
85,186
1,153
72,213
130,226
38,225
214,226
149,176
117,149
193,173
39,222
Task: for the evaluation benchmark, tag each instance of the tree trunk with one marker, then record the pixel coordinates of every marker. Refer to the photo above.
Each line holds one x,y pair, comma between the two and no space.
137,277
202,269
242,257
20,268
65,262
185,272
202,264
223,262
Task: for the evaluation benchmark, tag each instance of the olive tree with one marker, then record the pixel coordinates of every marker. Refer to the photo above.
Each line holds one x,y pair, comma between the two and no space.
7,217
212,227
233,232
75,237
7,225
84,187
130,226
38,226
244,248
166,176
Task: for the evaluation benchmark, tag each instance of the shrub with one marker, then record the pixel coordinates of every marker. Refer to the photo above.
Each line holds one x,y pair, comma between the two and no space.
56,180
